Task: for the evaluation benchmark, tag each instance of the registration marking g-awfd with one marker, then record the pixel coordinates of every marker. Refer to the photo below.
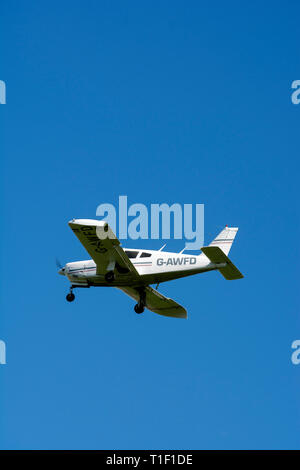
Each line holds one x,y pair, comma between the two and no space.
176,261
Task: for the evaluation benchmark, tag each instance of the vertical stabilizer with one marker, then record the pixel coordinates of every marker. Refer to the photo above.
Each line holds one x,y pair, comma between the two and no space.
225,239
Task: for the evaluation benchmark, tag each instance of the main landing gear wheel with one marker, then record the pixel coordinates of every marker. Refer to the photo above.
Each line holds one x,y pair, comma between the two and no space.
110,277
70,297
139,308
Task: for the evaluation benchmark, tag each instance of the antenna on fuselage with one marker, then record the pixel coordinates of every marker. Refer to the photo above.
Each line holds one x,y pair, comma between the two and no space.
181,251
162,247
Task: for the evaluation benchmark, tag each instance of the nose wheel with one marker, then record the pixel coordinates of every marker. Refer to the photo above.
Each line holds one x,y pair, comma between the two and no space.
70,296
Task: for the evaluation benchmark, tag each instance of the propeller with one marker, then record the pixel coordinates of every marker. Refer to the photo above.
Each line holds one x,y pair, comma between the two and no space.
61,269
58,263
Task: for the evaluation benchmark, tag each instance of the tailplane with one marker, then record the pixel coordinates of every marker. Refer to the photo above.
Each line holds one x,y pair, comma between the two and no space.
218,250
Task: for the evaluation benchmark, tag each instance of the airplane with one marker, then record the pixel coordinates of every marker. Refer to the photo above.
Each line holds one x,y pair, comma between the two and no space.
134,270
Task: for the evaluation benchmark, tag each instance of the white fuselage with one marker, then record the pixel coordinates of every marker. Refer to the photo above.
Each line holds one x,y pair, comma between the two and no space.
153,267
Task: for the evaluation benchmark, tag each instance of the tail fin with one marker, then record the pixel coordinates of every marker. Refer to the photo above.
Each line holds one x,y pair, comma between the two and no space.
225,239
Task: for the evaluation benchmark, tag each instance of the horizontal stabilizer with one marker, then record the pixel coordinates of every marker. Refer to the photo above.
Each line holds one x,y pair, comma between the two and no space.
217,256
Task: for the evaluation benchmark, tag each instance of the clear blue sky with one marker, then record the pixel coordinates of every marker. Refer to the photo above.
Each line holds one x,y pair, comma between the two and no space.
163,102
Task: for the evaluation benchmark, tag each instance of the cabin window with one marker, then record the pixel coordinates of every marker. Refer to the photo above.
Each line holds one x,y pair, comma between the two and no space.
131,254
145,255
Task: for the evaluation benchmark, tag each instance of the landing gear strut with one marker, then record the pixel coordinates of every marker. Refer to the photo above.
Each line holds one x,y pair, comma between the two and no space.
70,296
140,307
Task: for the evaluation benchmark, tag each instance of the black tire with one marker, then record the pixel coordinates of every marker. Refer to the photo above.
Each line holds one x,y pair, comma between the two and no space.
110,277
138,308
70,297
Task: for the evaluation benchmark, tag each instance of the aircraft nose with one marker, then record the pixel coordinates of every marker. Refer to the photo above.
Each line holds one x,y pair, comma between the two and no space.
62,271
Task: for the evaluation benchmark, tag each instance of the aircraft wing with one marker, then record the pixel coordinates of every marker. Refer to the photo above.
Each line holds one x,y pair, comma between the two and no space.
102,245
157,303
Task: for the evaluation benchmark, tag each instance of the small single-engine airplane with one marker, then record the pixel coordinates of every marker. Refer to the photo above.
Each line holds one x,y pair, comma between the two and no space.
133,270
